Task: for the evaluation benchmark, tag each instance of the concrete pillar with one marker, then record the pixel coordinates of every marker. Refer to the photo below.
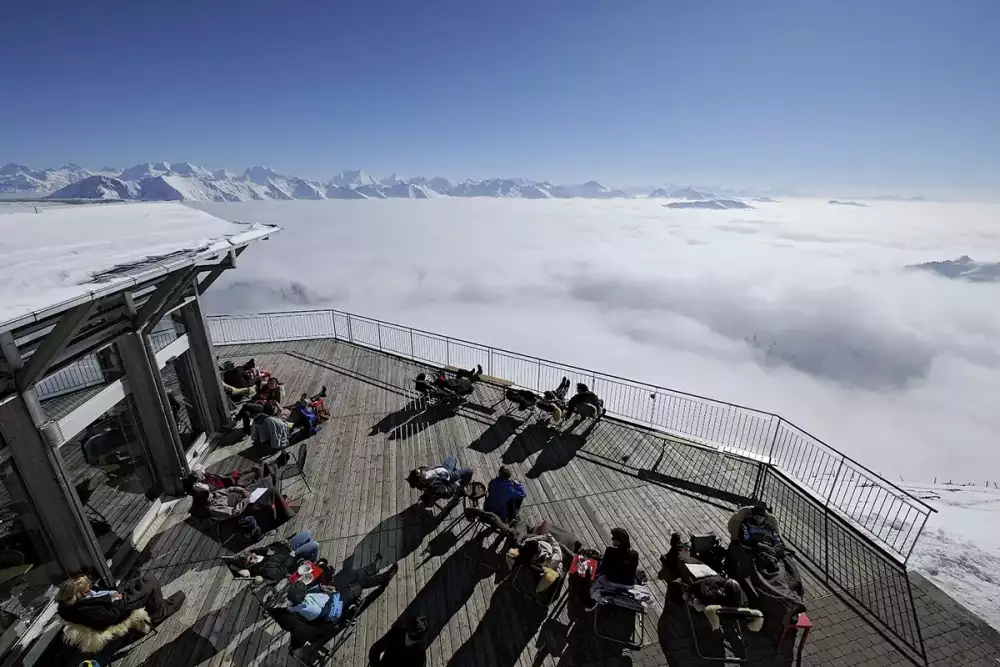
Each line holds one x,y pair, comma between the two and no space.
161,441
47,483
206,365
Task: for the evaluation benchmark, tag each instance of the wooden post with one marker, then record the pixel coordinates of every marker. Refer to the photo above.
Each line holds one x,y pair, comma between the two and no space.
161,441
50,488
206,365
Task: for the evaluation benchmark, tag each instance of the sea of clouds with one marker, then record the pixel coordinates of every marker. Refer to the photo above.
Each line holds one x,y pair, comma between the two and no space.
797,307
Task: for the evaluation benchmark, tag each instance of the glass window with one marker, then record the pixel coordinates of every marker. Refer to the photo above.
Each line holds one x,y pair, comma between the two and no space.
109,471
178,378
27,569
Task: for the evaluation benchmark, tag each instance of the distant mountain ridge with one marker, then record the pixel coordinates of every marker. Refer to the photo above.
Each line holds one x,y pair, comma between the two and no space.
184,181
963,268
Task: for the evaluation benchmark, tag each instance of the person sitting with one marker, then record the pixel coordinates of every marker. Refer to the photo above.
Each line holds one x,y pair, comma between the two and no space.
759,535
326,603
620,562
584,397
402,646
616,573
504,496
443,481
275,561
270,429
97,616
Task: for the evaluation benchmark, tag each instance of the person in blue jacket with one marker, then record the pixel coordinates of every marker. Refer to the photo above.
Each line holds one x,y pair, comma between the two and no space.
504,496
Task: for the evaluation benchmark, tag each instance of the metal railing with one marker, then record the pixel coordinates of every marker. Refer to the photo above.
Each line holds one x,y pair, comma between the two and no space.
79,375
886,514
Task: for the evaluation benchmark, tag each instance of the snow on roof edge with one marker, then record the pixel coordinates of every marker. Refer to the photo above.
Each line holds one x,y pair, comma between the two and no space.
255,232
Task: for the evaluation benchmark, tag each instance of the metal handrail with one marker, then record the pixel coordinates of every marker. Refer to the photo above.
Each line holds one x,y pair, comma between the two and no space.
891,516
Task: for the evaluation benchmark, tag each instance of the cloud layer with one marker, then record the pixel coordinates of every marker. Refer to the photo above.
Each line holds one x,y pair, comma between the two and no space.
797,307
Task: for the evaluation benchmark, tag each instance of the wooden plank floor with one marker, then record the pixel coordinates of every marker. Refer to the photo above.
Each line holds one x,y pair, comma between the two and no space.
360,505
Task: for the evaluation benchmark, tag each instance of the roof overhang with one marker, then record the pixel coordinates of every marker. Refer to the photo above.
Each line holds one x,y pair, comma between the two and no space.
58,335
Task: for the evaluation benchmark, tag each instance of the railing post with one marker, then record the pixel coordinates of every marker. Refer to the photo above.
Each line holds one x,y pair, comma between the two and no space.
652,406
826,521
378,328
447,351
914,542
538,380
413,354
774,441
350,329
333,318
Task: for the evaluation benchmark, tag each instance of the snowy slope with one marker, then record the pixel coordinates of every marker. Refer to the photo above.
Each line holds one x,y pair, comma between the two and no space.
959,549
20,178
98,187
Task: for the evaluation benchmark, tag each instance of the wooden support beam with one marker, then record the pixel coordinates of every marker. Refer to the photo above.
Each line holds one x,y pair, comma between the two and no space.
213,275
53,345
50,488
159,303
151,311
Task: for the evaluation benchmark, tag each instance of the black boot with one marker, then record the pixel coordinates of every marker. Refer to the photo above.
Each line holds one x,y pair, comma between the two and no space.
171,606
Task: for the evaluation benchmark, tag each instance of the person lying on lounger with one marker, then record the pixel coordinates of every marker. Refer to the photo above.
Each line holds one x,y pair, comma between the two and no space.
275,561
326,603
443,481
309,413
244,478
545,549
462,383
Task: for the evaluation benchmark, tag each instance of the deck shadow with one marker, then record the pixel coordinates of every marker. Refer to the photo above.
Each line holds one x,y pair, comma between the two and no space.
557,453
510,616
528,442
394,420
447,591
496,435
407,531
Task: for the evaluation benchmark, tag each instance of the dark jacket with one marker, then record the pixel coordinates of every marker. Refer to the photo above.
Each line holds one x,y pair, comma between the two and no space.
619,565
278,563
587,397
392,651
98,613
500,494
238,377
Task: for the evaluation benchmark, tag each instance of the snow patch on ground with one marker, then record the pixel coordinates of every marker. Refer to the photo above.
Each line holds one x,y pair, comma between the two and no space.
960,547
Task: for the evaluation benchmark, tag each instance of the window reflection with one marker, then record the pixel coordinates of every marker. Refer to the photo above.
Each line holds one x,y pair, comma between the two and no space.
27,567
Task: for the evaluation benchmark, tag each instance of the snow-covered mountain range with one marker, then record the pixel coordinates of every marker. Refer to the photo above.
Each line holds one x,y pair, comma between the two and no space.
183,181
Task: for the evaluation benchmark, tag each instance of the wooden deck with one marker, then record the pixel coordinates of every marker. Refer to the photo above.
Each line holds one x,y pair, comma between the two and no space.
360,505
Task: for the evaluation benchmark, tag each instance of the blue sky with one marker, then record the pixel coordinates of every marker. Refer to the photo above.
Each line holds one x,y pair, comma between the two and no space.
879,93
